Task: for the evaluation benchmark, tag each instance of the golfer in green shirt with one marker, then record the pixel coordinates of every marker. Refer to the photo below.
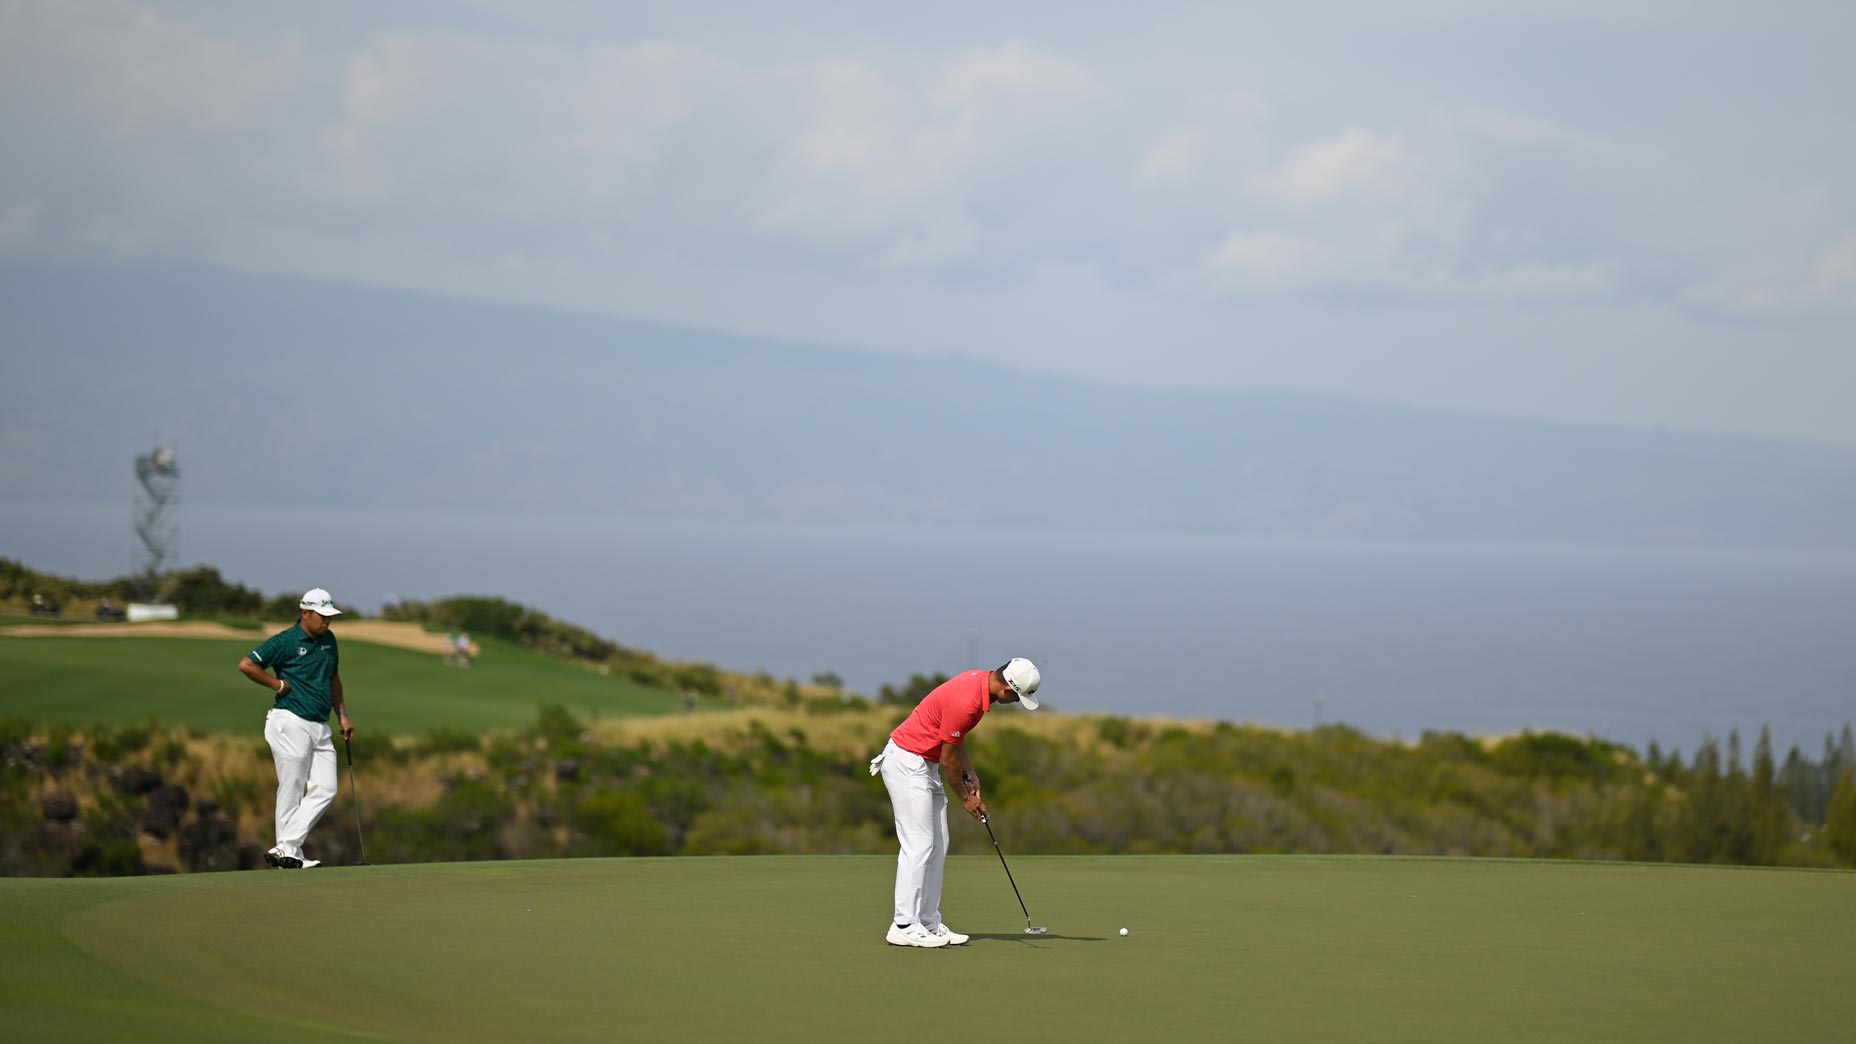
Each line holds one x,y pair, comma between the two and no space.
308,684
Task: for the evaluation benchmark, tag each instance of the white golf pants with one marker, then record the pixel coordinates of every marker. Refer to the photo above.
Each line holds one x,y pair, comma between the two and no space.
305,755
920,801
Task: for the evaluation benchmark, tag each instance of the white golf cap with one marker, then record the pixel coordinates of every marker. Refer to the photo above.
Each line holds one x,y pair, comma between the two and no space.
318,600
1022,675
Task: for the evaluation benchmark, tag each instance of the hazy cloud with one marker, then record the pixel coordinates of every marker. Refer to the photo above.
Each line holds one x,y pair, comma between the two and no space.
1812,287
819,173
1355,160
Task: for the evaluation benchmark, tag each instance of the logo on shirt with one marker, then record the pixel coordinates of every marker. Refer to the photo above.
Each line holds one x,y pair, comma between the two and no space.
300,651
956,733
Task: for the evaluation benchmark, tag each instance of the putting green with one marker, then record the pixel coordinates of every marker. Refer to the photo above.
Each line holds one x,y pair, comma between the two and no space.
790,949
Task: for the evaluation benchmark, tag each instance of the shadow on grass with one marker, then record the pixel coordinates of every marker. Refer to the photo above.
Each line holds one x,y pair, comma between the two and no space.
1048,936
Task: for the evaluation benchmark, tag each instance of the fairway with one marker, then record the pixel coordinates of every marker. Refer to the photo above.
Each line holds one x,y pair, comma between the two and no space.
193,683
790,949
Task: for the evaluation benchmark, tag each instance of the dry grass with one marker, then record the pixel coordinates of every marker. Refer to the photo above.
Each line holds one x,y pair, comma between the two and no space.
378,632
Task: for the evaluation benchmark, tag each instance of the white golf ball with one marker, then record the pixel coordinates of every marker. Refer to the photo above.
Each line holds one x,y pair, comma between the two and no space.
1124,931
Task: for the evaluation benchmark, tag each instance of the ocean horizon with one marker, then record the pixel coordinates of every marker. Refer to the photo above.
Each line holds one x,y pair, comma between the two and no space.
1626,644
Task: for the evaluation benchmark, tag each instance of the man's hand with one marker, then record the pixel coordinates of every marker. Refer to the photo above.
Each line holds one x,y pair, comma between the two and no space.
972,803
283,687
970,797
347,727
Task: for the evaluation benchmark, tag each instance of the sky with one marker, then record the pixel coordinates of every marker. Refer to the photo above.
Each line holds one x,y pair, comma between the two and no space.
1630,211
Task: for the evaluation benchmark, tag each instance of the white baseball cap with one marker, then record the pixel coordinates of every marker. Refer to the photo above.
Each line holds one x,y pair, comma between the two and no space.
1022,675
318,600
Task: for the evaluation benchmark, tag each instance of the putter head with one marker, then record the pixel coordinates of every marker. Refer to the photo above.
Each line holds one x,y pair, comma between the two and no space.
1038,930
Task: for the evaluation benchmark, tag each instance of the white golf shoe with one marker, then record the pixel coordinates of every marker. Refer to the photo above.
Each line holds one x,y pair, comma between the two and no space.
914,935
307,863
953,937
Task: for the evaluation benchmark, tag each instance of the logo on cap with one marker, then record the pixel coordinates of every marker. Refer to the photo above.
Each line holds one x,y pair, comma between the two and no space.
317,600
1022,675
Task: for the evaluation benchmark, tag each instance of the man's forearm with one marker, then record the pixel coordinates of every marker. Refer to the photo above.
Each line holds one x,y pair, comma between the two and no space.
258,675
957,768
957,781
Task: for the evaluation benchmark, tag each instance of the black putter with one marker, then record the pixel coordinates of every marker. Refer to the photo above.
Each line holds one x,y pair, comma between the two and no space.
355,793
1030,929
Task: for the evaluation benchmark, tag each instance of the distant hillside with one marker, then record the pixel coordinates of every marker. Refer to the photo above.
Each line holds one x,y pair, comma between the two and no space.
293,392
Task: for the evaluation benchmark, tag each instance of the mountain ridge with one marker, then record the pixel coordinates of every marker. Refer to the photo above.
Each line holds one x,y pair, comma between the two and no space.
282,391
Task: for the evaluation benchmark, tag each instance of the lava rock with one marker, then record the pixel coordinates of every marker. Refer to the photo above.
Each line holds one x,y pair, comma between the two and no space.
136,779
167,803
59,808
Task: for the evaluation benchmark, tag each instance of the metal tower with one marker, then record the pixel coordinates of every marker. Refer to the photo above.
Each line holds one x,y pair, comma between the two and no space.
157,518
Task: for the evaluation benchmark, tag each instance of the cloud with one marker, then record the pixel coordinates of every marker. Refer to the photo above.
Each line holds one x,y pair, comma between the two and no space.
891,163
1429,214
987,75
1823,285
1355,160
524,127
1273,262
516,143
1173,160
126,127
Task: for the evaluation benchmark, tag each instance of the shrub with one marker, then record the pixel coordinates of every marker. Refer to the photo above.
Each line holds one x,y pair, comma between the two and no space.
619,823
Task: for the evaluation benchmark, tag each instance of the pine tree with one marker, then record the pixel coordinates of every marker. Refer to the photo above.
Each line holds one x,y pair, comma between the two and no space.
1795,781
1771,818
1841,827
1701,835
1738,812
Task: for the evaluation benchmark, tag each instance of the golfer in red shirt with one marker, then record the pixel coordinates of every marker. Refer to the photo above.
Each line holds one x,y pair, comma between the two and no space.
935,734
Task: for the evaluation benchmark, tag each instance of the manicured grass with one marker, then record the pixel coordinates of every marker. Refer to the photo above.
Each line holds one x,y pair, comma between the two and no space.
1278,949
194,682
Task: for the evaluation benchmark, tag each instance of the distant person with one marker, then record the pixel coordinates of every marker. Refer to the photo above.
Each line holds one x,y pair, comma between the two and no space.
935,734
450,656
106,611
464,649
307,686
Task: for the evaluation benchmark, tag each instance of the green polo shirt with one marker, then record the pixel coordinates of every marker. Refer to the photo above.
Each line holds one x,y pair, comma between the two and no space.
309,667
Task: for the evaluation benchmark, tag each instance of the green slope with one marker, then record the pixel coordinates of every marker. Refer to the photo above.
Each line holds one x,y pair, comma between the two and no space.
790,949
193,682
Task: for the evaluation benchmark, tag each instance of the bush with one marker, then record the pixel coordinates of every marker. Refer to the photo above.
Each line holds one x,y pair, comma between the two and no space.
619,823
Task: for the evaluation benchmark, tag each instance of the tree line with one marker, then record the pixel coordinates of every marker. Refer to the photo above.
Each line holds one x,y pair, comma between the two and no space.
146,799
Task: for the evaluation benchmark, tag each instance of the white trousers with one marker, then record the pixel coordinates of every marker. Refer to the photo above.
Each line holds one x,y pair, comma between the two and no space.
305,755
920,801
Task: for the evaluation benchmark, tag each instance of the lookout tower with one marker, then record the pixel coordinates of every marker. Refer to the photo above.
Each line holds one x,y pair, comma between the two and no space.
157,518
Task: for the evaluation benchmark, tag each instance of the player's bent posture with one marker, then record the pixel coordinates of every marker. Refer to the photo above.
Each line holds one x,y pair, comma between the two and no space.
935,734
308,684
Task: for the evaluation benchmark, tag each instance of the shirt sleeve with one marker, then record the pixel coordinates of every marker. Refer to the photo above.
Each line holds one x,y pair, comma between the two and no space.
955,726
264,654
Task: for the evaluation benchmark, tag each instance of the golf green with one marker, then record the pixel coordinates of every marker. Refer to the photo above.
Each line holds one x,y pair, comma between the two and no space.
791,949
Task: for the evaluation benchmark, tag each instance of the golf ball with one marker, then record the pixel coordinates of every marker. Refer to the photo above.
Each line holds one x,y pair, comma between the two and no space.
1124,931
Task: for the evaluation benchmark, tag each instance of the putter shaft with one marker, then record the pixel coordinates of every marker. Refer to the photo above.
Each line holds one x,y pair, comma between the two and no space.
354,792
1029,930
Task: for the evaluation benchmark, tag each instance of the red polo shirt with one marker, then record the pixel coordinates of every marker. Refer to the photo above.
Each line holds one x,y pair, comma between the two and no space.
945,715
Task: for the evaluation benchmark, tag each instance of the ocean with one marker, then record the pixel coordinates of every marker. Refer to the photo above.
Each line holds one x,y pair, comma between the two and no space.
1631,645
